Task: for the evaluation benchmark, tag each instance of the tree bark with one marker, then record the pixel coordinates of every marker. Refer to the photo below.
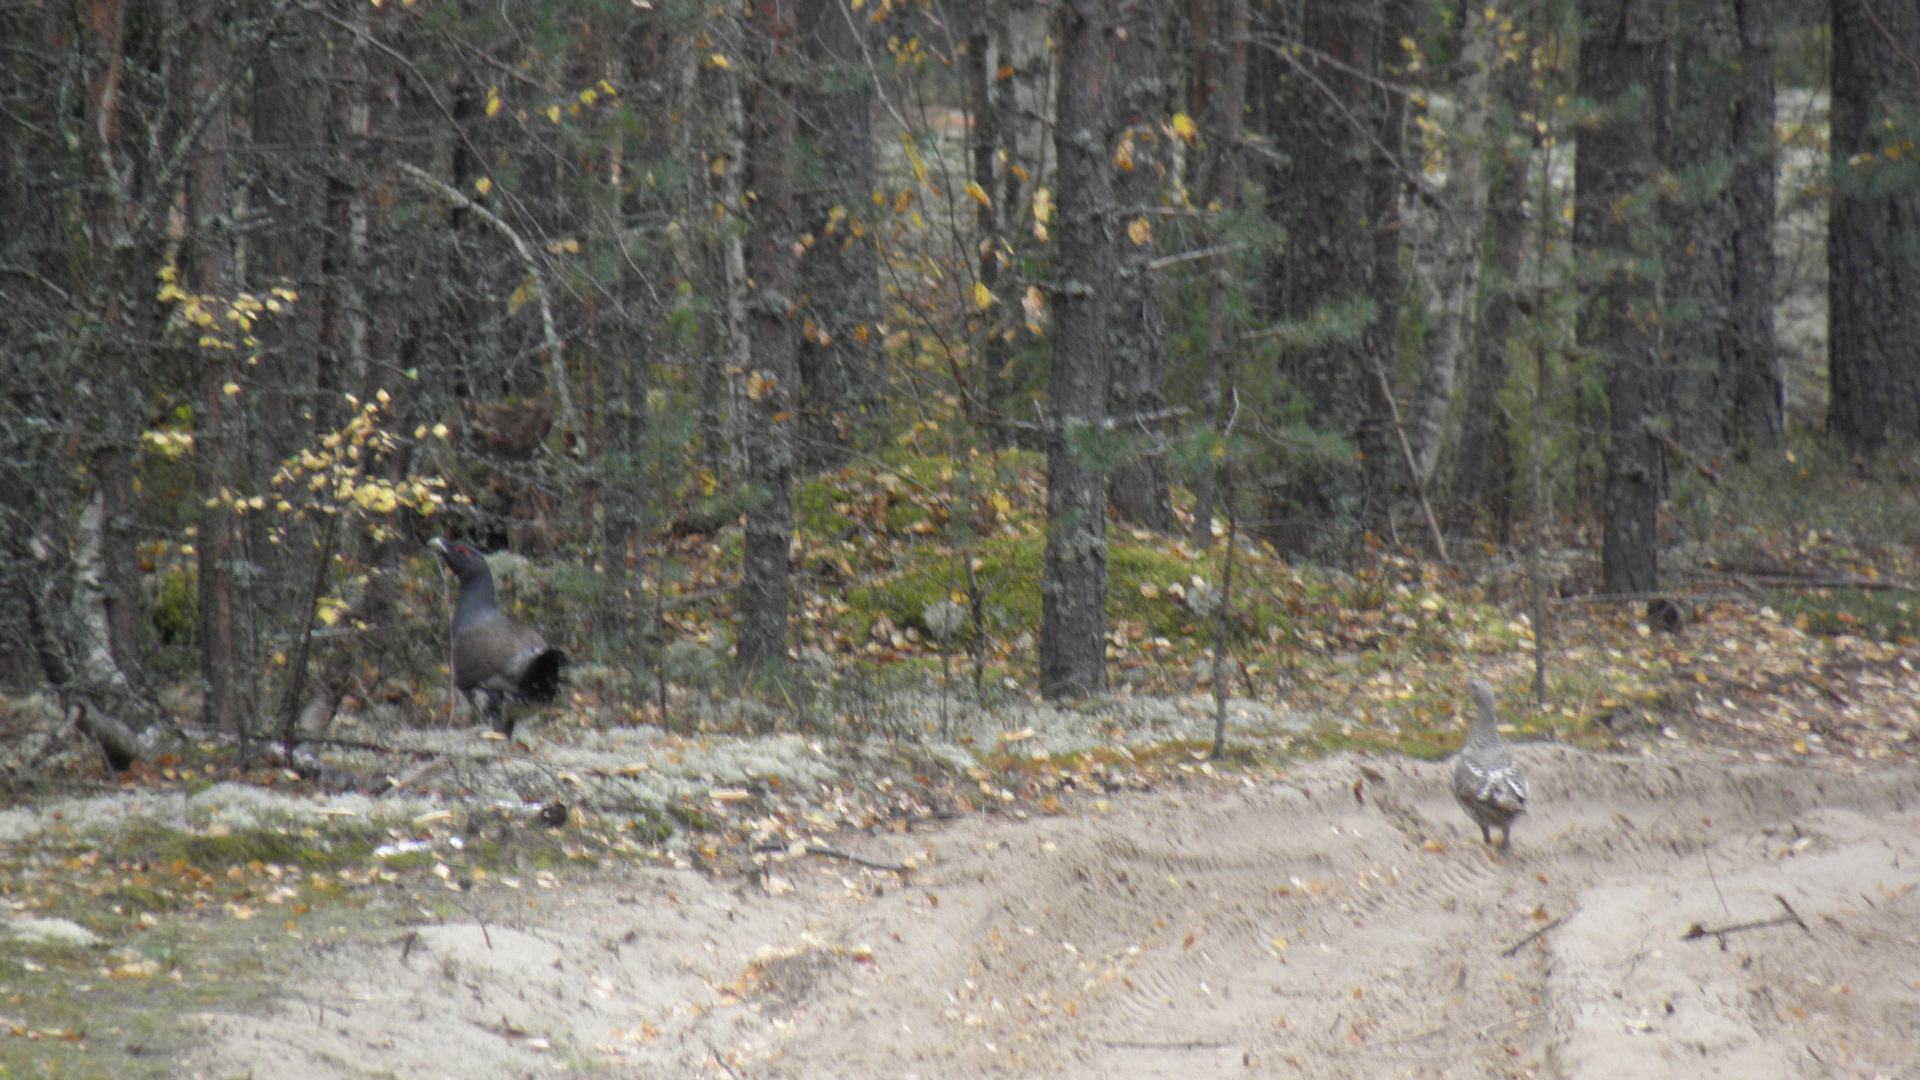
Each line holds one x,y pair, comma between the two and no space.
1219,95
1873,229
1335,196
208,270
111,172
1458,233
1755,387
772,385
841,272
1622,68
1725,391
1138,489
1483,473
1073,583
992,383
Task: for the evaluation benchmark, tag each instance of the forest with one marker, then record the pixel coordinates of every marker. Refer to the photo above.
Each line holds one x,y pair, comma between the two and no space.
863,415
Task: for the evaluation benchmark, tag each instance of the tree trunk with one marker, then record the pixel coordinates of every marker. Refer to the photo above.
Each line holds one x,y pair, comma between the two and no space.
771,382
1219,96
208,269
1073,586
1726,386
992,388
841,272
1873,230
1483,474
1139,487
1458,233
1622,68
110,278
1755,387
1334,195
1698,221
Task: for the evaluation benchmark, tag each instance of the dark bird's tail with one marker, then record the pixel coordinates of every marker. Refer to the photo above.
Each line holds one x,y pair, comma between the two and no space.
540,680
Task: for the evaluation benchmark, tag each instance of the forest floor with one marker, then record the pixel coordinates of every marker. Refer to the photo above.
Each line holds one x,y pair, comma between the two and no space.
1682,913
1716,878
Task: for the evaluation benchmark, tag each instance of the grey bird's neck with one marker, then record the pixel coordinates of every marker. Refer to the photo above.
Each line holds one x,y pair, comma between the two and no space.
476,600
1485,731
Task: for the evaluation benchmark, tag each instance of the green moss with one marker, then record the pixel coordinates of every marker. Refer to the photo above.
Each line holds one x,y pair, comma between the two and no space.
651,826
814,509
411,860
1880,614
176,605
210,851
689,818
1140,577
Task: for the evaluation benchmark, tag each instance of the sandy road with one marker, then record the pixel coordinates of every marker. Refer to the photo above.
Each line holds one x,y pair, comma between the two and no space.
1287,928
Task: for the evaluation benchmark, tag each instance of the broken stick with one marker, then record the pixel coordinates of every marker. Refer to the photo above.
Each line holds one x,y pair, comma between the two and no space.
1696,931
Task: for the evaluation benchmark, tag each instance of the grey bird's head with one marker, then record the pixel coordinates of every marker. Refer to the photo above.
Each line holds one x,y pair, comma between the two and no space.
1482,695
1482,704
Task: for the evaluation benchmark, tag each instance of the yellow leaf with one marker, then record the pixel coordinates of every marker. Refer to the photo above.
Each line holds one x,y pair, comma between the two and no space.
1140,231
1033,304
718,61
589,96
493,102
483,185
553,113
230,389
1123,156
1184,127
983,297
978,193
1042,205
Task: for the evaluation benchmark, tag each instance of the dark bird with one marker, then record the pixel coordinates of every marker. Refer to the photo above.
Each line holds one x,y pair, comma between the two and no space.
505,669
1490,785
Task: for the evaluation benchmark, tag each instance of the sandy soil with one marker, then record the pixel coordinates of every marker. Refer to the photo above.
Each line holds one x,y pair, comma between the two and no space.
1335,922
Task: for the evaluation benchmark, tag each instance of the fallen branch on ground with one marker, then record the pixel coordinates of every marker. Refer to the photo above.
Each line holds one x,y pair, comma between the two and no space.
1696,931
1535,936
836,853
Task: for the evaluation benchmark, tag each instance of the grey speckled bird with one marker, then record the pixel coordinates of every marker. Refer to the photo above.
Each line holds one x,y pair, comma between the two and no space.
1490,785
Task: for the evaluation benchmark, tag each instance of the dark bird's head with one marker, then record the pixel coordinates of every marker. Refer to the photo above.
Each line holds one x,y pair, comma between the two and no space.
476,580
467,564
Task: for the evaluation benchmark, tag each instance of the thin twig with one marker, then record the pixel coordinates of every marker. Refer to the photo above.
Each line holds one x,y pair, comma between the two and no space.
835,853
415,775
1406,451
723,1062
1530,938
556,355
1792,917
1164,261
